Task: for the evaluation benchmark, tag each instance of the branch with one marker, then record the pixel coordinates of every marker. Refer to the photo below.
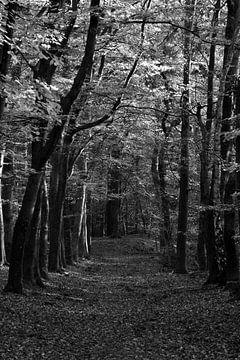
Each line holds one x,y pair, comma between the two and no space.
105,118
45,69
79,152
17,50
87,61
51,142
166,22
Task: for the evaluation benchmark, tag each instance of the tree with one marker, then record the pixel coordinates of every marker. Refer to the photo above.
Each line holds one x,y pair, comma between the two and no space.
184,162
9,13
231,59
42,147
206,237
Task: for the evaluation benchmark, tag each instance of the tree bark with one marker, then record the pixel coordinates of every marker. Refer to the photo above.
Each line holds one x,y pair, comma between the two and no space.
206,236
43,245
3,258
60,170
184,157
84,231
30,259
7,194
114,190
20,233
227,178
5,57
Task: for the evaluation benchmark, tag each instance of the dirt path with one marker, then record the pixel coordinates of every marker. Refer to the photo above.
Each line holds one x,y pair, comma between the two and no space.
120,306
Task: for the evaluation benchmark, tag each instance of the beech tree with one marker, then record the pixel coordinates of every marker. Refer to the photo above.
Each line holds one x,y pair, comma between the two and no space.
227,189
206,236
184,162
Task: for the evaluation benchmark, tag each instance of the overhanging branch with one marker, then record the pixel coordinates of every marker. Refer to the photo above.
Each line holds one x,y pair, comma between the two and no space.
108,118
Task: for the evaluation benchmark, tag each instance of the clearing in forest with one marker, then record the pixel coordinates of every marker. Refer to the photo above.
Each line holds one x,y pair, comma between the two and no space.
120,305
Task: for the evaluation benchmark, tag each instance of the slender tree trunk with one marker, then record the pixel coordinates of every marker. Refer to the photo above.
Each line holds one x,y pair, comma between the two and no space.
68,231
158,170
3,259
56,209
157,186
184,160
206,218
84,236
77,226
7,194
114,189
43,242
164,198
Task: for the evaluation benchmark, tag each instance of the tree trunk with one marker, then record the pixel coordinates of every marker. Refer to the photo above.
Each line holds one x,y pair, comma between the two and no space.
84,236
7,194
30,259
184,157
20,233
164,198
67,230
206,238
227,178
113,201
60,173
77,226
157,187
5,57
158,171
201,253
43,242
3,259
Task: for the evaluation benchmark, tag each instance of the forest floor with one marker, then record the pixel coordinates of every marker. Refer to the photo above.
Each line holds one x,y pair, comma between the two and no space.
122,305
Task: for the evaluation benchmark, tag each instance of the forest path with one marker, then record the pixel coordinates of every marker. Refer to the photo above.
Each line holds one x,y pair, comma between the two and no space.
119,305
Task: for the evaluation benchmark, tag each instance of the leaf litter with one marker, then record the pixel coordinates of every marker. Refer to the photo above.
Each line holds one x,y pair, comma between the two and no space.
120,305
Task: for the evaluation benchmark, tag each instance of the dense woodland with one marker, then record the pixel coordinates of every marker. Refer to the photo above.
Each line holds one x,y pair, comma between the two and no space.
117,118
